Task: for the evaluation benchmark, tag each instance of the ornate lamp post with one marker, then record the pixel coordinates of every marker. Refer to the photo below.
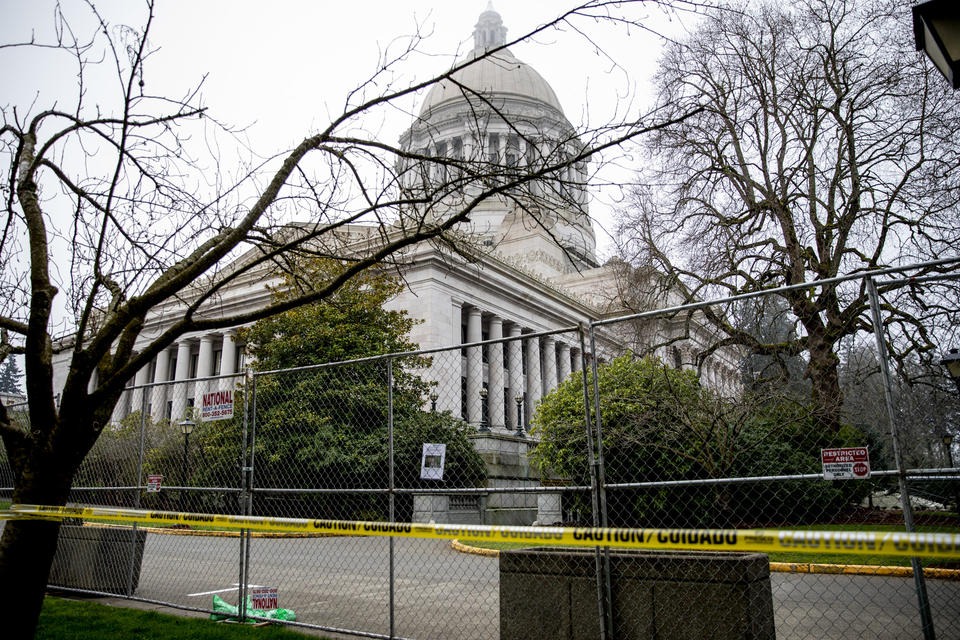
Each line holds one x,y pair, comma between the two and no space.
519,400
947,439
951,362
186,428
433,401
483,411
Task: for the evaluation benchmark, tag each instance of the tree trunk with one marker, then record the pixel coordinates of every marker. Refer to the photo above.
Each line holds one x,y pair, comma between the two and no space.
823,370
27,548
26,553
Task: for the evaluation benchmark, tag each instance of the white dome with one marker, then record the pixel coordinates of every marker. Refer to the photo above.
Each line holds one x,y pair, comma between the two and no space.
497,109
498,75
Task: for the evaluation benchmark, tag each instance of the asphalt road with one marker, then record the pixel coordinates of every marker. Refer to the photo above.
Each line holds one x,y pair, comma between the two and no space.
441,593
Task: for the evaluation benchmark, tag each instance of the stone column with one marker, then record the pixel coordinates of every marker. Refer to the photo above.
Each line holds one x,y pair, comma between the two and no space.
474,366
448,367
158,398
515,356
549,364
228,359
470,148
182,388
563,355
534,381
122,408
581,185
576,357
136,398
204,368
495,375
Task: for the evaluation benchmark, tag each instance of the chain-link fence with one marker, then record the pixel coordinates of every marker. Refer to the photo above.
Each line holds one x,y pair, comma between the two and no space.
632,422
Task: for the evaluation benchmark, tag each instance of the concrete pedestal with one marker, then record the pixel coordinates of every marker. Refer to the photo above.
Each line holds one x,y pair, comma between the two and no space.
98,559
552,593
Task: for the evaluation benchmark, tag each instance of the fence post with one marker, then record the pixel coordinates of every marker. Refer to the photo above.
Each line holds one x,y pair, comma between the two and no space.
136,498
923,602
391,488
246,483
597,495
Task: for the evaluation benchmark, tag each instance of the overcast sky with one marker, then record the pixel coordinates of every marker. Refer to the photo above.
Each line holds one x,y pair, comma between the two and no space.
284,67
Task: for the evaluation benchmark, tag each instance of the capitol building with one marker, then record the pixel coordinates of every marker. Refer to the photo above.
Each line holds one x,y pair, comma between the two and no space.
524,264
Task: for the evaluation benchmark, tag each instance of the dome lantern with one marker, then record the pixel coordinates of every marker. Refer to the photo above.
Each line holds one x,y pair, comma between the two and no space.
489,32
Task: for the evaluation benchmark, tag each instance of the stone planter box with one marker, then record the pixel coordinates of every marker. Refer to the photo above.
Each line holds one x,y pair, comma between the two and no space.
552,593
98,559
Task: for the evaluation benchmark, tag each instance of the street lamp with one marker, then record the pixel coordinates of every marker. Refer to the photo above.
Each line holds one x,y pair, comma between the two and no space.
186,428
519,400
947,439
936,31
952,362
433,402
483,411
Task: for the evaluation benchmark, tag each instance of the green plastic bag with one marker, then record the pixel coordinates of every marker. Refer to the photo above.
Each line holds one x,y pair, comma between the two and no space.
223,610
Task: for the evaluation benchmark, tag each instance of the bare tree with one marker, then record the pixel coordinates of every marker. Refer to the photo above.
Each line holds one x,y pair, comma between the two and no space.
826,147
153,226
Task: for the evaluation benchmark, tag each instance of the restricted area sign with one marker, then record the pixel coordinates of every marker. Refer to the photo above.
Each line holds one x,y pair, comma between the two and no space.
153,483
850,463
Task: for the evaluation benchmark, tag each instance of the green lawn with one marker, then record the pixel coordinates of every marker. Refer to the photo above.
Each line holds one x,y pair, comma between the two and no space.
83,620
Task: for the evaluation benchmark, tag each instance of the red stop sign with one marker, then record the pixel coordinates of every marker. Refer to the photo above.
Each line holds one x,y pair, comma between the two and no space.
859,469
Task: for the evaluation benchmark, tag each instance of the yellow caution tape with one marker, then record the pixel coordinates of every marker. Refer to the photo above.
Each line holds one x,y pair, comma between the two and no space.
934,545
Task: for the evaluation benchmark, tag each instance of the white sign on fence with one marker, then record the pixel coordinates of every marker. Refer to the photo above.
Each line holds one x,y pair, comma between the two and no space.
850,463
217,405
264,598
431,465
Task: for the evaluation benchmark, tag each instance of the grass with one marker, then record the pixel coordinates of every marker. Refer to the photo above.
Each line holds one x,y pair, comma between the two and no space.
796,557
82,620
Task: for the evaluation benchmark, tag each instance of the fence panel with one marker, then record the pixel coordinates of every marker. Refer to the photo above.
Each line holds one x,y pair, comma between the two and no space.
629,425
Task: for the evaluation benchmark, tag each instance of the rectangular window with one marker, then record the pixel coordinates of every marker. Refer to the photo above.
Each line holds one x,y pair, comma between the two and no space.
493,148
513,150
531,154
441,166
